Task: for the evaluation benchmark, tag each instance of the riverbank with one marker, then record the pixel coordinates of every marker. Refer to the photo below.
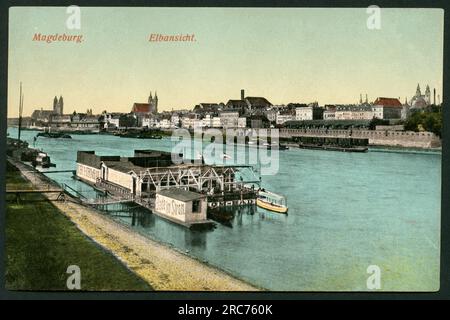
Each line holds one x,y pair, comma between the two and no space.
160,266
395,149
42,243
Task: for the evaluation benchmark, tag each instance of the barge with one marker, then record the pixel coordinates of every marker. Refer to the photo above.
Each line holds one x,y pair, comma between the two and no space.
55,135
333,148
333,144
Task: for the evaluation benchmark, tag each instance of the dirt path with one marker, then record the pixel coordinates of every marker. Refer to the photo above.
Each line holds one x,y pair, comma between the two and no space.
162,267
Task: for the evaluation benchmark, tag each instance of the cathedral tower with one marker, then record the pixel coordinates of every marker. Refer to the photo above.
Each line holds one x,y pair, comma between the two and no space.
153,103
418,93
428,95
60,105
55,105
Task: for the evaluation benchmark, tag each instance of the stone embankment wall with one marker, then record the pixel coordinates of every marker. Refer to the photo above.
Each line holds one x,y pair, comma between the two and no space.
407,139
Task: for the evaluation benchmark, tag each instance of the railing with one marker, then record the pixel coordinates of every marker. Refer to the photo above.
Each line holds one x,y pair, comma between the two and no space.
113,188
69,190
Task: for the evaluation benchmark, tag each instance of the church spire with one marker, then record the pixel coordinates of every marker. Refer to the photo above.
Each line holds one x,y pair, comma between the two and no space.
418,93
428,95
55,105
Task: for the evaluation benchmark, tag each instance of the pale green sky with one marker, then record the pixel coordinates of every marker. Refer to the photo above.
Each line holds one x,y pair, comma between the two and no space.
285,55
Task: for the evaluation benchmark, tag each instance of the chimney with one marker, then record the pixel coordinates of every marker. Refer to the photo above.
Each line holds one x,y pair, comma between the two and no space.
434,96
242,94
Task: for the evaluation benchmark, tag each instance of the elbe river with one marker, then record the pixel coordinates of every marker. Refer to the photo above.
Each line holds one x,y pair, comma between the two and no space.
347,211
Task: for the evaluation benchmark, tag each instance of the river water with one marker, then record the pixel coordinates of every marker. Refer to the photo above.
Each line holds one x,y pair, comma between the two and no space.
347,211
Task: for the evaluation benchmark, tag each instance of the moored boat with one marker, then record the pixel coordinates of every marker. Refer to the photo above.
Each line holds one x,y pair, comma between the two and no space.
43,160
279,146
54,135
149,137
334,147
271,201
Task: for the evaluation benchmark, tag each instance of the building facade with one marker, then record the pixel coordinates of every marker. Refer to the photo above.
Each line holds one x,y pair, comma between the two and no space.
329,113
354,112
184,206
282,118
387,108
229,119
310,112
111,120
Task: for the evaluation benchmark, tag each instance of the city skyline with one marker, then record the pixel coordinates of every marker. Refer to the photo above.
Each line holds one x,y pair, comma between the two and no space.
306,55
361,99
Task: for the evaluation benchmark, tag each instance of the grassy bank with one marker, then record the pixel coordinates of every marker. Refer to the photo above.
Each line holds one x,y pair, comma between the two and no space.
41,243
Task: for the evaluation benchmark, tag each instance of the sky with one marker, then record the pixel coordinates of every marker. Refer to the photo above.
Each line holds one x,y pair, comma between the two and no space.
286,55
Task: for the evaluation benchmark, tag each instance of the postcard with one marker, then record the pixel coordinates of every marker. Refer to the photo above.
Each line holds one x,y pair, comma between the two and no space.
224,149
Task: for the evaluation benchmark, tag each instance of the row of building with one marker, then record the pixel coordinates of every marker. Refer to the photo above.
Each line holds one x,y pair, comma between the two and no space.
248,111
382,108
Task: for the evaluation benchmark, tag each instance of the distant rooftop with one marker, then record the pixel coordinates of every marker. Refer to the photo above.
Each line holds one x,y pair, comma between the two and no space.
391,102
141,107
258,101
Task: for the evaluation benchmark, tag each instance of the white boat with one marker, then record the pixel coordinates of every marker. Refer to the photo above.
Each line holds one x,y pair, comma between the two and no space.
271,201
43,160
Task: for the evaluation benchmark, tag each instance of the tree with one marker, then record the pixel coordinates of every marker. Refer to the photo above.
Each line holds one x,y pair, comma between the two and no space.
127,120
377,122
425,120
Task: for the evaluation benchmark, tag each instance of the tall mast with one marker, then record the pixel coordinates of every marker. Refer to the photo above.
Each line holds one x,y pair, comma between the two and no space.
20,110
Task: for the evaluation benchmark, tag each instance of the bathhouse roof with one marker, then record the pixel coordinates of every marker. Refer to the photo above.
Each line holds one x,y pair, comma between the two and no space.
180,194
124,166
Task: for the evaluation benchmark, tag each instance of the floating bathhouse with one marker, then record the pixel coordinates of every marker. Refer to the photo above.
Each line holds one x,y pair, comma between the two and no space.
182,206
151,175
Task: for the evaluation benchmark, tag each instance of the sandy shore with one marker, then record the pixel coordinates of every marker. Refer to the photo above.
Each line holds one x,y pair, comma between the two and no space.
162,267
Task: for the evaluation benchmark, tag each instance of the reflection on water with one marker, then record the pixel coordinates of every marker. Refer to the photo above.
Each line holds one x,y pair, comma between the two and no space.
346,211
143,220
195,239
228,216
133,215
